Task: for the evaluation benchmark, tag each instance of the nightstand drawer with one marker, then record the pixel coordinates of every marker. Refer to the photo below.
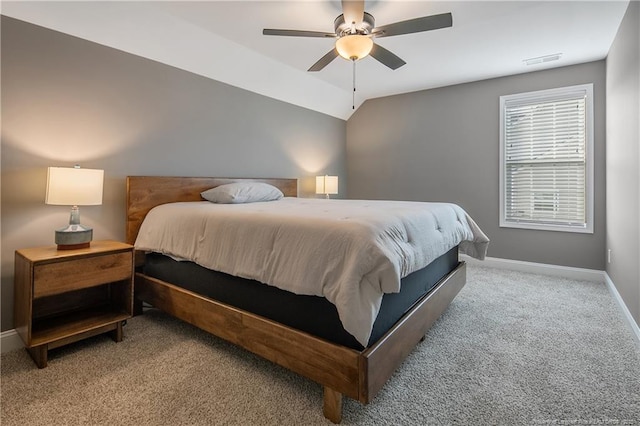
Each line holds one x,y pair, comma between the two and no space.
59,277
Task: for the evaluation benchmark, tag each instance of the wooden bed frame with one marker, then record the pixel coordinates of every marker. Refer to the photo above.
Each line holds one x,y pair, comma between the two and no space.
340,370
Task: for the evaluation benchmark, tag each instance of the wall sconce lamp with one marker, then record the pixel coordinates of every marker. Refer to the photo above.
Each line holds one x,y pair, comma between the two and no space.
326,185
74,187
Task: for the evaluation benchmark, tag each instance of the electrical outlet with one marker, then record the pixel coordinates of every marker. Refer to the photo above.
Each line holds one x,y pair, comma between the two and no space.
609,256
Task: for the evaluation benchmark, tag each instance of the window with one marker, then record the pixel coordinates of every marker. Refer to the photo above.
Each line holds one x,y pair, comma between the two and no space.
546,159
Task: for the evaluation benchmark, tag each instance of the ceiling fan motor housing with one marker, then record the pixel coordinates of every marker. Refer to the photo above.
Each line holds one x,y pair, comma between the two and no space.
365,27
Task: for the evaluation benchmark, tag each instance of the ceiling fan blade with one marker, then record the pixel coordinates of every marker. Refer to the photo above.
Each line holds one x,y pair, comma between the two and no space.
353,11
426,23
386,57
324,61
297,33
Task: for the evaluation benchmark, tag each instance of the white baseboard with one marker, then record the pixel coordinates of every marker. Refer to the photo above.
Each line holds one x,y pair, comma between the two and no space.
592,275
9,341
623,307
537,268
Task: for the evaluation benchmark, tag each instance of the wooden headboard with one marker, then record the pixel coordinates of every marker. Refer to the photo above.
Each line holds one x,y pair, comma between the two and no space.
146,192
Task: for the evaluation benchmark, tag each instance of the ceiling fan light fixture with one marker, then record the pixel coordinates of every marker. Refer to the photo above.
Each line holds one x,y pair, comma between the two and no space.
355,46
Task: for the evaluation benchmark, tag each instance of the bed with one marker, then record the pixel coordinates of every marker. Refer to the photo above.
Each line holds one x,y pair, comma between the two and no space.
344,366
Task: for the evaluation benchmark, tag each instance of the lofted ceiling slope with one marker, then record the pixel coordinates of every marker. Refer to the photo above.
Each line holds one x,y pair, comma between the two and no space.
223,40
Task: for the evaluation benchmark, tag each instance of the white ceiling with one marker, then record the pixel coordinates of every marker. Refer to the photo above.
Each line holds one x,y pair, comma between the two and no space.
223,40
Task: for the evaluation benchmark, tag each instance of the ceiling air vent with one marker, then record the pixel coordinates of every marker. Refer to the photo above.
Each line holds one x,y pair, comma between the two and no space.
542,59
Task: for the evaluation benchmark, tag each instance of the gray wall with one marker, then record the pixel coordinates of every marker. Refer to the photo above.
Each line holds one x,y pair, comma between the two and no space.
623,160
67,100
443,145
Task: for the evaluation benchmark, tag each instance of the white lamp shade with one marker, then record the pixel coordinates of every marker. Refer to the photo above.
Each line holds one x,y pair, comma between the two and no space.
68,186
326,184
354,47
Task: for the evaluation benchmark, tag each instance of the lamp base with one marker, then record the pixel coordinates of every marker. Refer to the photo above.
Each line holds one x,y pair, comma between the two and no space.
73,246
74,236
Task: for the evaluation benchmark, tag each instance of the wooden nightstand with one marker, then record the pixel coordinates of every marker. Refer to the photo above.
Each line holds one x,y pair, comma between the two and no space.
62,296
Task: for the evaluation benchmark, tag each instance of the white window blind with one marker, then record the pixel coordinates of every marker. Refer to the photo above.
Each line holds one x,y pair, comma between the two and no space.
546,150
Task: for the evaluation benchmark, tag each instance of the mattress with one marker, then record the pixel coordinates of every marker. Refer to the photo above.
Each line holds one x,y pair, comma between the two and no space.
312,314
351,252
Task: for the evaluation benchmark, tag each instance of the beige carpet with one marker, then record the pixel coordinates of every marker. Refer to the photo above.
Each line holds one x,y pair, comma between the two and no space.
512,349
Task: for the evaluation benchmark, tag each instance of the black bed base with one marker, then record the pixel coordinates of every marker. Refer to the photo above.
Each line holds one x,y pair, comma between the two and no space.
312,314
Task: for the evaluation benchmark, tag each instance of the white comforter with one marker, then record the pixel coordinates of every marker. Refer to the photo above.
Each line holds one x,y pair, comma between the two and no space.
348,251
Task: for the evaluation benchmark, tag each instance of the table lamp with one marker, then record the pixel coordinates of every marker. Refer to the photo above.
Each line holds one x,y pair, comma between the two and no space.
74,187
326,185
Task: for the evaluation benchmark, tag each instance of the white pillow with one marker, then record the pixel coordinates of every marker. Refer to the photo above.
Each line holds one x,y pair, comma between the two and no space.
242,192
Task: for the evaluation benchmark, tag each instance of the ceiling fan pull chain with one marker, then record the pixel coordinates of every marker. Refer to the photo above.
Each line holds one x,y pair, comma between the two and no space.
353,101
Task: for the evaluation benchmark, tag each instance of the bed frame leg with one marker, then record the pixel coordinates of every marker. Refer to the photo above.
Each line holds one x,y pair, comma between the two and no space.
332,407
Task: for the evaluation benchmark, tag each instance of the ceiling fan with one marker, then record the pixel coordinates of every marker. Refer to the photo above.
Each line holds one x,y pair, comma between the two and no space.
355,30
